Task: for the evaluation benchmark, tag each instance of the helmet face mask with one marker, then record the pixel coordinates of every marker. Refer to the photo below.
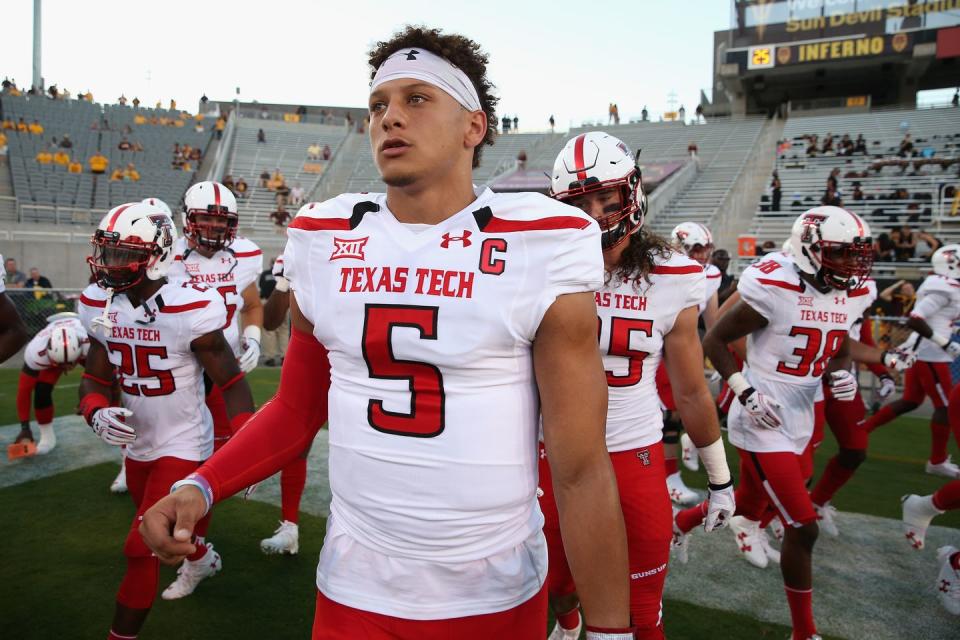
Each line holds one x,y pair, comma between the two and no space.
844,265
612,204
214,228
118,264
133,242
833,246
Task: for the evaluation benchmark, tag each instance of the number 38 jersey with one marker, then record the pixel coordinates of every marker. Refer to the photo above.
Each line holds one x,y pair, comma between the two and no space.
160,377
633,323
229,271
434,409
787,358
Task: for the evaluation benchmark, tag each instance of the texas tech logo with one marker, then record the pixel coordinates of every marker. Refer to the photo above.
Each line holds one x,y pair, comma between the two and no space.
811,226
349,248
644,456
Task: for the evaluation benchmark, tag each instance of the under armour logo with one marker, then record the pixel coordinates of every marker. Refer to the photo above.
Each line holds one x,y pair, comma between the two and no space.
412,54
644,456
465,239
839,300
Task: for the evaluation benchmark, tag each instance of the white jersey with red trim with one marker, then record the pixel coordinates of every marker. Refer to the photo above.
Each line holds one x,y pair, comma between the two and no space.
160,377
787,358
938,304
228,271
633,324
35,353
434,410
713,279
862,298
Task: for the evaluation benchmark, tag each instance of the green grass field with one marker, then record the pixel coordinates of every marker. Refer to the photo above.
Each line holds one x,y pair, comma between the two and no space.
64,534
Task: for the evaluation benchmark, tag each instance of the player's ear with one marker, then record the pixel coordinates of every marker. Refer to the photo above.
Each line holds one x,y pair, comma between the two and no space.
476,130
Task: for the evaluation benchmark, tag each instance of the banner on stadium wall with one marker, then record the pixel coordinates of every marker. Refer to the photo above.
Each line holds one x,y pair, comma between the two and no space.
829,50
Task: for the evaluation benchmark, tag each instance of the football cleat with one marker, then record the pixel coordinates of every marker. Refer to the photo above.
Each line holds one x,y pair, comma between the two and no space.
918,511
48,439
826,518
679,492
190,574
948,582
747,536
119,484
559,633
689,453
773,555
681,541
947,469
286,539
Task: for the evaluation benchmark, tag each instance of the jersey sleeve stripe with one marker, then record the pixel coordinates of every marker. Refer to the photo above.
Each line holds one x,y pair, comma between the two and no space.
664,270
248,254
488,223
90,302
320,224
180,308
862,291
719,275
780,283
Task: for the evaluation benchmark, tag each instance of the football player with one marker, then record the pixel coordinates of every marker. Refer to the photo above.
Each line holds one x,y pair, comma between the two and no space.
455,319
210,253
55,350
13,333
648,311
158,335
696,242
918,511
938,301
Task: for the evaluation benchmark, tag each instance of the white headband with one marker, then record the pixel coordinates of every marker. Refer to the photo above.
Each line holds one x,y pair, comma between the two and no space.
420,64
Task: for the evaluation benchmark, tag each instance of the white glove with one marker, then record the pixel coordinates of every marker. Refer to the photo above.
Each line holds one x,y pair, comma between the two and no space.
843,385
887,386
715,377
251,349
953,350
762,409
899,359
720,507
283,285
108,424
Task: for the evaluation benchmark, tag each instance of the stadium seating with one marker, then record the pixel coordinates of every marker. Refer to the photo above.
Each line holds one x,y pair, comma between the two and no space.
804,178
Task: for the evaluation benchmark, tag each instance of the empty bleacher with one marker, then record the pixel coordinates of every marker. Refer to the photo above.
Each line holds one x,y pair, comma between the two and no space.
804,178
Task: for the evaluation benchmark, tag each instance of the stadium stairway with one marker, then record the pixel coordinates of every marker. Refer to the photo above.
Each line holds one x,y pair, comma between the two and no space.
335,179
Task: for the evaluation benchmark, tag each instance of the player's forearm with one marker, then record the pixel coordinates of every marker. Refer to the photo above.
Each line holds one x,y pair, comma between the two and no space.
716,350
252,316
275,311
238,398
918,324
697,412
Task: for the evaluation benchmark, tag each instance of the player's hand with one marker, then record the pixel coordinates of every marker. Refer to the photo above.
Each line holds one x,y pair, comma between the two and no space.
899,359
762,409
953,349
251,355
887,386
108,423
843,385
167,526
721,506
277,269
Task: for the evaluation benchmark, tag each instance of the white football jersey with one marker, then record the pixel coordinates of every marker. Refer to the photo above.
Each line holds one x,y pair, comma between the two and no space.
434,409
633,323
713,279
229,271
862,298
938,303
35,354
788,357
160,377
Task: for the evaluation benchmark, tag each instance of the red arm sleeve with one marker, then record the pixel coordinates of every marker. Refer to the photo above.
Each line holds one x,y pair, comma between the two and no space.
866,337
24,394
282,428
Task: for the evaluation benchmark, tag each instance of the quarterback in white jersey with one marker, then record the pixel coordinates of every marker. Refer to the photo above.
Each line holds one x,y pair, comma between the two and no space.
159,337
211,254
648,310
55,350
456,319
932,317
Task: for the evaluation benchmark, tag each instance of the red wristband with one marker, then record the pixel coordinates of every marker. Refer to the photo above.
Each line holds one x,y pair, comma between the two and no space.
91,403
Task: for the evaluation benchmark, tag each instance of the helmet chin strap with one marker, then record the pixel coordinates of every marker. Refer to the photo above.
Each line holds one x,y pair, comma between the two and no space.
104,321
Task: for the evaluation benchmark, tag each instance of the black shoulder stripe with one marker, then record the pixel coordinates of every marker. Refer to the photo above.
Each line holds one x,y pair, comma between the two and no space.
483,217
361,209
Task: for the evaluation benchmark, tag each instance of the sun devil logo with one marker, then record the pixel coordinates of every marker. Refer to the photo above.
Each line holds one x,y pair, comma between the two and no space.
349,248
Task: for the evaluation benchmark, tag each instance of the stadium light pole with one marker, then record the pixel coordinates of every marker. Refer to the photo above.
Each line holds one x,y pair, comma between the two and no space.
37,36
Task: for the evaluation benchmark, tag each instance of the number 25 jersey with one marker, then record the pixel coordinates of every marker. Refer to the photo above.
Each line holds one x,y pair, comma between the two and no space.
434,409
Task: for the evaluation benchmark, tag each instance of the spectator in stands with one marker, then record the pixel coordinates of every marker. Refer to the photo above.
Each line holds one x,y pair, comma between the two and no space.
698,115
228,183
313,152
926,245
516,124
98,163
137,147
8,125
240,188
36,128
297,194
61,158
44,157
196,155
198,126
767,247
264,179
261,137
37,281
900,298
277,180
75,167
955,101
3,144
124,144
644,114
906,146
833,180
682,113
327,153
728,284
904,242
831,198
552,123
827,144
173,104
845,146
883,248
505,125
282,195
136,102
280,217
13,278
610,113
857,194
860,146
812,149
776,191
220,126
22,126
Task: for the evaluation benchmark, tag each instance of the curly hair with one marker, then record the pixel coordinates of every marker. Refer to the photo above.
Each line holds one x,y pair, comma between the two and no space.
637,260
460,51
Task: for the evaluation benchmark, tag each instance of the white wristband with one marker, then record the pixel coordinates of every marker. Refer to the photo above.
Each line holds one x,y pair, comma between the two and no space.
714,460
737,383
941,341
283,285
597,635
252,333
